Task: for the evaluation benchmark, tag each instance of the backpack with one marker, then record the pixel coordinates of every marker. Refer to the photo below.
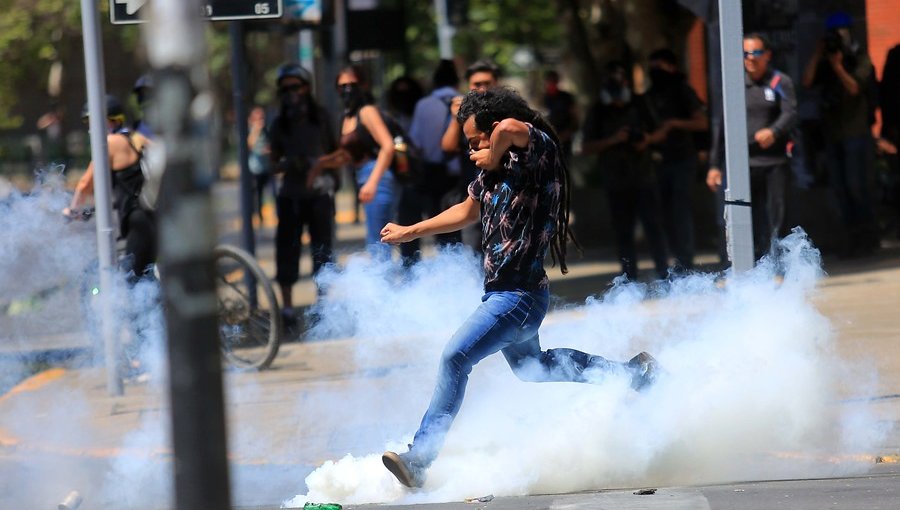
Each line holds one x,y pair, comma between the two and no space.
153,165
151,158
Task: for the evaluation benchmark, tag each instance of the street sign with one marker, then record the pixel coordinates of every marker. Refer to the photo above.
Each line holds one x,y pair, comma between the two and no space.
123,12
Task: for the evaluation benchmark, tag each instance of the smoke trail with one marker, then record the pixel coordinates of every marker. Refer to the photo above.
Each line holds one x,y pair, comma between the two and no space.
750,389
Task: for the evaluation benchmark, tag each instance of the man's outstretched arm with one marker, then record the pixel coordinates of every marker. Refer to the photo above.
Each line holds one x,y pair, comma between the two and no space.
451,220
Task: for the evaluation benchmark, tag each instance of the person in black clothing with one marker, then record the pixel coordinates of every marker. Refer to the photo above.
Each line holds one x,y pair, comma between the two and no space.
890,126
436,186
771,116
616,129
678,113
562,111
137,225
303,152
844,76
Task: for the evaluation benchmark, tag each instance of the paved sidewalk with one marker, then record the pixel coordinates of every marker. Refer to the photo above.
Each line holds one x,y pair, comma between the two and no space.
48,449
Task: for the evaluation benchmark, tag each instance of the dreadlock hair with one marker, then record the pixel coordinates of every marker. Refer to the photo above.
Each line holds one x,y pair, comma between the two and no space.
496,104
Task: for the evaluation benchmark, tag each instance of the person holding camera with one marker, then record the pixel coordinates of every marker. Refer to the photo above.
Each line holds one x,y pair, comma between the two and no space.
771,116
617,129
848,102
304,153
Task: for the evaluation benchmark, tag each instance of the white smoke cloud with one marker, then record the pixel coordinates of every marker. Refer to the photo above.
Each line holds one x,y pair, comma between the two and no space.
48,268
750,389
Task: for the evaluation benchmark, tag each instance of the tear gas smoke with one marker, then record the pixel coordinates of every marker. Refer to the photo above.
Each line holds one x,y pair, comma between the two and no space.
47,274
750,389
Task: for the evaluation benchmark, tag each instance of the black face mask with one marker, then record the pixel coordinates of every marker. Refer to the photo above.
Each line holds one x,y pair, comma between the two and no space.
662,78
351,97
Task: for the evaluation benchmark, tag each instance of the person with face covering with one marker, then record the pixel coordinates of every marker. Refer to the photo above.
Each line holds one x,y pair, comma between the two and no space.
304,153
367,140
678,113
616,130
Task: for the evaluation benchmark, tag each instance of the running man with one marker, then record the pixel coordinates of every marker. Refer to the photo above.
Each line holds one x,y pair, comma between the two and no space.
521,195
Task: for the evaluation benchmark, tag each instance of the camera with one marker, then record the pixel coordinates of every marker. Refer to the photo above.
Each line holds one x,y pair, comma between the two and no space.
833,42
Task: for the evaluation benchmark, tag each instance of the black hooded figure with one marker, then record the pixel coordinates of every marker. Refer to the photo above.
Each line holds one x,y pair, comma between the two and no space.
303,154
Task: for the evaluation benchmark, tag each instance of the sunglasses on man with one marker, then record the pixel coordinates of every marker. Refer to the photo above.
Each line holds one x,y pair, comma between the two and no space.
754,53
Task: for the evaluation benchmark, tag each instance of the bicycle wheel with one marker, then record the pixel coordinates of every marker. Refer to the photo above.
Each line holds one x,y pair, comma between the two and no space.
249,315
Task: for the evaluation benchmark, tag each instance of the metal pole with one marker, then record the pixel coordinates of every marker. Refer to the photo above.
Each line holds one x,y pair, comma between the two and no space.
106,247
238,84
445,30
184,118
738,218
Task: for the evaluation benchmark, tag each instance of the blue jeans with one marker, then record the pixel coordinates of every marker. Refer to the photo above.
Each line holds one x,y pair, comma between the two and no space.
507,322
380,211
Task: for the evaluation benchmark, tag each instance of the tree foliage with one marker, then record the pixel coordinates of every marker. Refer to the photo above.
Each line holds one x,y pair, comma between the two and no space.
36,33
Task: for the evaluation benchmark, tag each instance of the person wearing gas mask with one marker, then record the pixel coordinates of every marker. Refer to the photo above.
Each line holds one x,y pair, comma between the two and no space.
846,77
304,154
368,141
678,113
617,129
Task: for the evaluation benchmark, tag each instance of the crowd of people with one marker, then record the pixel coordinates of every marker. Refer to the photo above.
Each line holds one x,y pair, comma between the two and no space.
486,169
643,131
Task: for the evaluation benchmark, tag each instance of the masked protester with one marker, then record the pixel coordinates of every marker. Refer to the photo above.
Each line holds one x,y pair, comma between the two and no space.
678,114
562,110
137,225
366,138
304,154
616,130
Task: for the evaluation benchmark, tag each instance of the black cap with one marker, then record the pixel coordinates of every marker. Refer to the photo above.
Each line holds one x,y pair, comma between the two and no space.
113,107
293,70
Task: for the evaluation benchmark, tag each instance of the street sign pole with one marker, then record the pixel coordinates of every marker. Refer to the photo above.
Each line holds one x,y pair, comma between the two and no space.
738,218
106,248
238,66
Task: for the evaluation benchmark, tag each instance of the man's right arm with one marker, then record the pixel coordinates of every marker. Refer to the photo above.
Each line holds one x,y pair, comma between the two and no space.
456,217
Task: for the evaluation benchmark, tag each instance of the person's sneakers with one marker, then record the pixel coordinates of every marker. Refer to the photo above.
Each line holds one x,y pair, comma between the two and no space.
645,371
407,471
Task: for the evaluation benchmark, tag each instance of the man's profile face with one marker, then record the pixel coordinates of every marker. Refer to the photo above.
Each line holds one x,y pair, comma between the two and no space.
477,139
756,57
481,81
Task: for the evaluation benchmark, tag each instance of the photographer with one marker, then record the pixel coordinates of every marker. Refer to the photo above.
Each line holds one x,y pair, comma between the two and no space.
846,77
616,129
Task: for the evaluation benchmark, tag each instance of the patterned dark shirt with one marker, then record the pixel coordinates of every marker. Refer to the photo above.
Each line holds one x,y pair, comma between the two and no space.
519,209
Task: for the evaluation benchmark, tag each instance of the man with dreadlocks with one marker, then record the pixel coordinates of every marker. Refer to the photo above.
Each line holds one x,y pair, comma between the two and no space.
521,194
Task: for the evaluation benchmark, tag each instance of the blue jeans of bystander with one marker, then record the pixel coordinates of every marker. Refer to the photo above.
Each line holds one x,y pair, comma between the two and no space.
381,210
